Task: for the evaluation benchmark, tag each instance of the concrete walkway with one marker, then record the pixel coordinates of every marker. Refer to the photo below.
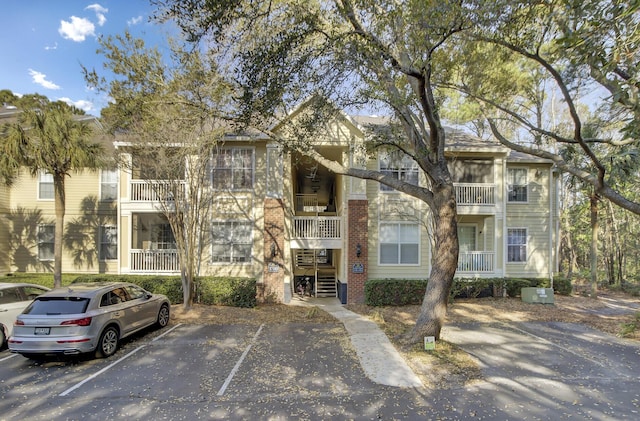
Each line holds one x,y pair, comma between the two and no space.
380,360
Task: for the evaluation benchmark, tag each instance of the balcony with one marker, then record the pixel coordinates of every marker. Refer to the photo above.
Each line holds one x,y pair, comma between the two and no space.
314,232
151,191
476,261
154,261
476,197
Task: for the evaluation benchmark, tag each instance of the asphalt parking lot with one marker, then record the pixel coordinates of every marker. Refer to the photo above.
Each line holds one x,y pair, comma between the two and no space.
310,371
284,371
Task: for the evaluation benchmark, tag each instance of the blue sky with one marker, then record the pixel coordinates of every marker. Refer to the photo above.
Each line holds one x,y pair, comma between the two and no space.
44,43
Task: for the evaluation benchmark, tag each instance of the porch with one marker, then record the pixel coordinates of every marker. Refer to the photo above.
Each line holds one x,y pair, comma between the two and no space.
476,262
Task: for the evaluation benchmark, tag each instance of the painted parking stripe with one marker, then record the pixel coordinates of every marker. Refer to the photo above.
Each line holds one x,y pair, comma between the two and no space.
237,366
94,375
10,356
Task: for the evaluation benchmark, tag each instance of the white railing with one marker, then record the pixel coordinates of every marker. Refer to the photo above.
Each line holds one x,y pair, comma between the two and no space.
476,261
308,203
151,191
154,261
477,194
317,227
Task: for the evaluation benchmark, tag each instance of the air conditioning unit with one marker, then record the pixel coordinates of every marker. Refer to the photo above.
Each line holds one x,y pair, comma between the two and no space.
537,295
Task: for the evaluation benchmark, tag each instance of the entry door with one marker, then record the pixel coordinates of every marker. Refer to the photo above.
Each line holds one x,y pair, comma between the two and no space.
467,238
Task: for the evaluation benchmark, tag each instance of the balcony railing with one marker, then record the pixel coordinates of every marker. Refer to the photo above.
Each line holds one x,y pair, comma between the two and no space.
475,194
317,227
476,261
154,261
151,191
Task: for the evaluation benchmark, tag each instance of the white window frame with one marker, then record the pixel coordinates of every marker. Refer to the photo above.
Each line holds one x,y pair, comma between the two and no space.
46,238
159,237
396,168
399,243
232,169
231,243
45,179
511,185
106,242
524,245
108,178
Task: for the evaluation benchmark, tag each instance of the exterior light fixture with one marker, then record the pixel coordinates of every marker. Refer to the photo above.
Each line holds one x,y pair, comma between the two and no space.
358,250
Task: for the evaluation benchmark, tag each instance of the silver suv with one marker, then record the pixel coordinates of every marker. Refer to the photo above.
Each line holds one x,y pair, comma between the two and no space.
84,318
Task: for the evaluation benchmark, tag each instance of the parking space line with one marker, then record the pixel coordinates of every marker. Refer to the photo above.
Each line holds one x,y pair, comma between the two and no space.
237,366
10,356
96,374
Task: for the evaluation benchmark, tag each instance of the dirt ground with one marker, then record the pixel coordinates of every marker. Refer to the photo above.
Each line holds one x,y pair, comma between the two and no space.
447,366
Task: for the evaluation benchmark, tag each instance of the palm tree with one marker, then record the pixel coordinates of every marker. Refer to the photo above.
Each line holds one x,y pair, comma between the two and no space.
49,140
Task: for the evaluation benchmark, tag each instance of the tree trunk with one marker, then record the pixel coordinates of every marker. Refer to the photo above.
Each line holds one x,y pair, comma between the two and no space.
59,204
444,265
593,290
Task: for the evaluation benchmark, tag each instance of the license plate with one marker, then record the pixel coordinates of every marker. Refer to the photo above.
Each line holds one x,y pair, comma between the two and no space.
42,330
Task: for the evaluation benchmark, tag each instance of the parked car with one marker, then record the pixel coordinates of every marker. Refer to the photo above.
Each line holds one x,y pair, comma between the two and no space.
86,318
14,298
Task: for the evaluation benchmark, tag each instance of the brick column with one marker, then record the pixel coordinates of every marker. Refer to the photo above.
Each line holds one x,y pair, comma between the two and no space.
358,233
273,278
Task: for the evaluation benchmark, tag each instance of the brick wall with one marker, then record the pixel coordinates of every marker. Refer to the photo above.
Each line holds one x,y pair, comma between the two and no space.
273,279
357,234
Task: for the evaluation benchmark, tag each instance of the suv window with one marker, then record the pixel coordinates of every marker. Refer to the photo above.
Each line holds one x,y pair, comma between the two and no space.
32,292
58,305
10,295
136,292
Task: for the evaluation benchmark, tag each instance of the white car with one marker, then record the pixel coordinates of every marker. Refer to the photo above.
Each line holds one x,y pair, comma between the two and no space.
14,298
86,318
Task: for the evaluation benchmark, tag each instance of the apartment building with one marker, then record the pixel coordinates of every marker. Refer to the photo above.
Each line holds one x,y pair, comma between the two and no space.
285,220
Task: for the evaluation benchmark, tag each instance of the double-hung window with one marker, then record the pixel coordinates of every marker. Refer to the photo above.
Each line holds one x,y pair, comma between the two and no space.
108,242
398,165
46,235
162,237
108,184
516,245
232,169
517,182
45,185
399,243
231,241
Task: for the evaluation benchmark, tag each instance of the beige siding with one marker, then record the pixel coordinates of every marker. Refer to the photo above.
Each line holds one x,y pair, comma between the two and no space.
534,215
83,216
5,262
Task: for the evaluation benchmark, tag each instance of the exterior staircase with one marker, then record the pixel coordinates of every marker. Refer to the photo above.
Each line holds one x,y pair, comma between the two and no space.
326,283
325,276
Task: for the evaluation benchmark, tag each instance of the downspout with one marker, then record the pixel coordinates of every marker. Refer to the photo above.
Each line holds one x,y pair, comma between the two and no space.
552,197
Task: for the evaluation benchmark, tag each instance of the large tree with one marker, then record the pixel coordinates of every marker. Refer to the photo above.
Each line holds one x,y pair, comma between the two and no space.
382,55
49,139
587,52
167,111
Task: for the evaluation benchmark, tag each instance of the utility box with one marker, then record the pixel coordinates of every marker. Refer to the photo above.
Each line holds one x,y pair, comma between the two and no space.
537,295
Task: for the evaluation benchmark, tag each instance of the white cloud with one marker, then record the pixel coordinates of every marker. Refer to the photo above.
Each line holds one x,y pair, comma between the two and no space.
87,106
77,29
51,47
41,79
100,12
134,21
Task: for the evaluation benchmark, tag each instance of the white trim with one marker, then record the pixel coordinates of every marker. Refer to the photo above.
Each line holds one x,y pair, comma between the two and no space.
419,243
526,244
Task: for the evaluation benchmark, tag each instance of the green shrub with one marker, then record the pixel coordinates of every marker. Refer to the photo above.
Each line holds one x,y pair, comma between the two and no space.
236,292
514,285
473,287
394,292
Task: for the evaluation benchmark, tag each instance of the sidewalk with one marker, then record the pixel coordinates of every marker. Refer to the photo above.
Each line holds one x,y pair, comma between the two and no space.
380,360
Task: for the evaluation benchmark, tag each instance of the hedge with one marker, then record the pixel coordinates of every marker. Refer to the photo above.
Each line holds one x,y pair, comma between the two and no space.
227,291
399,292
